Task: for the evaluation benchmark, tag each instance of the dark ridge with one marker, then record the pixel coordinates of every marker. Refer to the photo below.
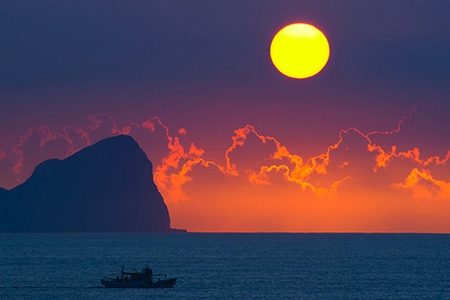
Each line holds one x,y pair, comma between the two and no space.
106,187
3,193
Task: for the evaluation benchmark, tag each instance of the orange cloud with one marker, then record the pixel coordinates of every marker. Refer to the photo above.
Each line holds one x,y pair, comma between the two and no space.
172,172
345,181
424,186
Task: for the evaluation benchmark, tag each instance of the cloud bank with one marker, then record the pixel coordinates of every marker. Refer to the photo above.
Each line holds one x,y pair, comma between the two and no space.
363,181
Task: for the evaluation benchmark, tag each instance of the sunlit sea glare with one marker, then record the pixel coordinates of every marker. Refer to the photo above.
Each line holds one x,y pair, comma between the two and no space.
228,266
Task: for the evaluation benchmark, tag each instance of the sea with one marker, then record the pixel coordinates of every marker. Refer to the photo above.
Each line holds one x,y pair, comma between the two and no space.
228,265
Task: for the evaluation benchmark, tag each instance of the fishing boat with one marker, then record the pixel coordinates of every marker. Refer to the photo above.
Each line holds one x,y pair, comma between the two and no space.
144,279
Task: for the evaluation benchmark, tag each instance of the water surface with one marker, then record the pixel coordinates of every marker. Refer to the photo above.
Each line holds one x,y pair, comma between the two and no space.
226,266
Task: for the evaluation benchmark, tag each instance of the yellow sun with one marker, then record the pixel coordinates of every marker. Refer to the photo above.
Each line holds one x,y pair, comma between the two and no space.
299,50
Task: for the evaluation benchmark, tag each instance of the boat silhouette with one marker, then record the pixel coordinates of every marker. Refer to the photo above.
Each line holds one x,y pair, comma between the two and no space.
143,279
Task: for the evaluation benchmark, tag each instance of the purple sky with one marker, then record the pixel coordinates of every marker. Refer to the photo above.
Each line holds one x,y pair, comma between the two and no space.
204,66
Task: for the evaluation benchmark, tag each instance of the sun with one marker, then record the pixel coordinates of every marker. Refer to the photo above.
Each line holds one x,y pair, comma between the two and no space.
299,50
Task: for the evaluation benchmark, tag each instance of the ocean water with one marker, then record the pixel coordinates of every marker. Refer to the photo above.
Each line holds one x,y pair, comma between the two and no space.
228,266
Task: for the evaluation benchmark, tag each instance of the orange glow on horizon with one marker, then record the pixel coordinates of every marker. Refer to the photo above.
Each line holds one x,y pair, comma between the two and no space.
354,185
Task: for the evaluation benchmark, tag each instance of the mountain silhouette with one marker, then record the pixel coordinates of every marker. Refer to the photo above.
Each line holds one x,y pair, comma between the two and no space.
106,187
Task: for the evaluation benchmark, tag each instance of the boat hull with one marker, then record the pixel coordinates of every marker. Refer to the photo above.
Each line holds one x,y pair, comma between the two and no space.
167,283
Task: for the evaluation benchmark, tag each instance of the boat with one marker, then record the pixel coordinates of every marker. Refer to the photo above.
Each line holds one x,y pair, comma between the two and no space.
144,279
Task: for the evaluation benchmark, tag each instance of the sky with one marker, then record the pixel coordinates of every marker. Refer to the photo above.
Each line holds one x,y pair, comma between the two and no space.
363,146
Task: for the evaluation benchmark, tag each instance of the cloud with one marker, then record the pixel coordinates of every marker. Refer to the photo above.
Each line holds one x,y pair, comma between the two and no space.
173,163
423,185
37,145
358,174
355,156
